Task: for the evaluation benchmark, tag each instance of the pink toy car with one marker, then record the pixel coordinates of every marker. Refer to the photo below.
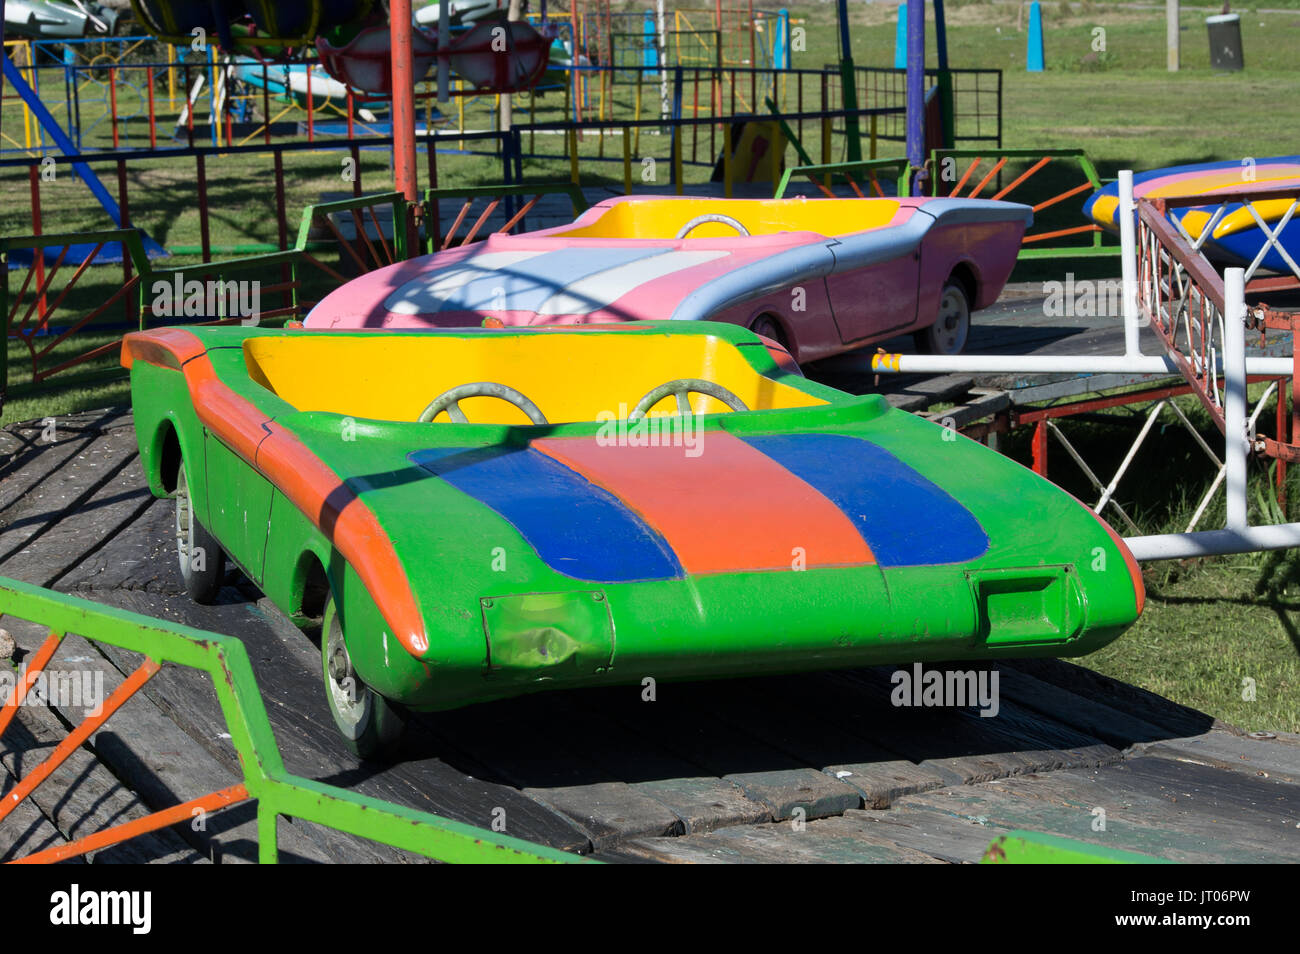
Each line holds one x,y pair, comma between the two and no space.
819,276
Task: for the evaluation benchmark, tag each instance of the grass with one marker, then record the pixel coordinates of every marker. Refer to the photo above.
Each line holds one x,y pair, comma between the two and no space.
1209,624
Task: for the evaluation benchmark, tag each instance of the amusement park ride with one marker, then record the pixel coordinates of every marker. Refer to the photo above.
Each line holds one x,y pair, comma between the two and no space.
567,457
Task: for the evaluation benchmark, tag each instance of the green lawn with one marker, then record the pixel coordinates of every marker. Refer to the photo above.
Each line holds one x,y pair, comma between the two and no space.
1209,624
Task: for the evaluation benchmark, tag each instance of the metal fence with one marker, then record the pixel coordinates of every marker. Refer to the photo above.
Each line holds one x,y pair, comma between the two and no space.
277,792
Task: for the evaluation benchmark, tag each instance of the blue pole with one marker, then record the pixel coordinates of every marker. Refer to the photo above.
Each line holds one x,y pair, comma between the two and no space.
1034,54
781,43
916,91
51,126
649,44
900,39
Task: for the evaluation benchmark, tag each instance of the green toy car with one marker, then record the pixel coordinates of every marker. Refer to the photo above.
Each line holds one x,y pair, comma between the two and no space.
473,514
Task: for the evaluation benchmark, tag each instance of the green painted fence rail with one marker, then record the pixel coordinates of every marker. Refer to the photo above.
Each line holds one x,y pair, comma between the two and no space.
280,273
276,791
1040,848
852,172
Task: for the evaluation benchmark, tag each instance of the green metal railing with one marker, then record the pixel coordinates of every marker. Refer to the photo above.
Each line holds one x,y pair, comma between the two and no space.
32,317
29,326
823,175
1039,848
276,791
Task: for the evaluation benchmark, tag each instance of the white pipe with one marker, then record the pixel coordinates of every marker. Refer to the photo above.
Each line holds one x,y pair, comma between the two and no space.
1184,546
1234,400
1173,39
1044,364
1128,458
1128,263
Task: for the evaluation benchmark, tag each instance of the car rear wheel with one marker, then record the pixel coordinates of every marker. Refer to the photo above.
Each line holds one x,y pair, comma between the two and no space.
769,327
371,726
951,328
203,563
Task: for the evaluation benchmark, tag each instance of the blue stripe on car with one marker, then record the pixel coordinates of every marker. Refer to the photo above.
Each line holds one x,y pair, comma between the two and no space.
577,528
906,519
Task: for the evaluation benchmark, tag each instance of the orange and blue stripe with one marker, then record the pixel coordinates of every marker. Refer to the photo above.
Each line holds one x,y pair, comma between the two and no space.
618,514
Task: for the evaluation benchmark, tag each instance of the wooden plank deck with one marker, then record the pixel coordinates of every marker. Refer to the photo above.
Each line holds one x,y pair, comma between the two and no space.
815,767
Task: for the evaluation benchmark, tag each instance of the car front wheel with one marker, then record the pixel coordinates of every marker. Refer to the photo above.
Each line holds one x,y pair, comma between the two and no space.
203,562
951,328
370,725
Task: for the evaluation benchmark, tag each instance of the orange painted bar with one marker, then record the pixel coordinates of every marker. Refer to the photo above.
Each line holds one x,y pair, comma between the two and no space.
1076,230
731,508
985,181
24,685
1023,176
966,175
1086,187
14,797
120,833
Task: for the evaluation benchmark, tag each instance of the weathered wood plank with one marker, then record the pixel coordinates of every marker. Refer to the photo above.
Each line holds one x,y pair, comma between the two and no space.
611,812
685,719
840,840
957,744
881,783
32,461
73,510
944,837
705,804
140,556
1177,720
805,793
1090,716
26,831
1222,750
1143,811
33,450
777,711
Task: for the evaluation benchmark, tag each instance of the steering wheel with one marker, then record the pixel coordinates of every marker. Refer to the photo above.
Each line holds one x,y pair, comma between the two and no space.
707,217
449,401
680,389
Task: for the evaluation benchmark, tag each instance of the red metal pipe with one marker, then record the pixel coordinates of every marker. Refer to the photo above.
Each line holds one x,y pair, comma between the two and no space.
311,111
1040,449
112,100
404,169
38,257
35,666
